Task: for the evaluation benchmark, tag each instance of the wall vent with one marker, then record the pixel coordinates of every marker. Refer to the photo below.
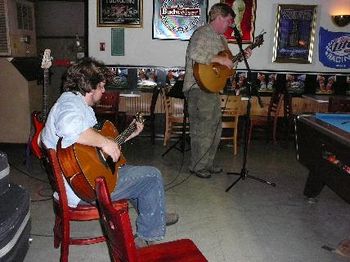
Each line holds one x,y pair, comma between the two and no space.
4,33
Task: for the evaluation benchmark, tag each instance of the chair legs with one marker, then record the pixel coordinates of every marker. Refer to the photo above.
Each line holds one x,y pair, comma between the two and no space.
61,238
274,139
57,232
64,252
235,141
167,133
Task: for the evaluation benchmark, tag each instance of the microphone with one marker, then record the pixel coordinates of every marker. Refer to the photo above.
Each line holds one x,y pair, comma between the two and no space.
236,31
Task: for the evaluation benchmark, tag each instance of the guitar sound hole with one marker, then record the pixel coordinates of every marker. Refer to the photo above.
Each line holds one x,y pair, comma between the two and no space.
107,161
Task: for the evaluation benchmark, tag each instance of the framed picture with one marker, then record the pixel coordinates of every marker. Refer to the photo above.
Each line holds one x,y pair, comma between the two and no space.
244,20
119,13
294,34
173,19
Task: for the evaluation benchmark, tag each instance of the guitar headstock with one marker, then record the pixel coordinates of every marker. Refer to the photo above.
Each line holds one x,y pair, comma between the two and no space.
139,117
259,40
46,61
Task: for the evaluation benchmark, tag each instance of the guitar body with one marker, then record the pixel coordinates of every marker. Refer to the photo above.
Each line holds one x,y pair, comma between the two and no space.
213,77
38,125
82,164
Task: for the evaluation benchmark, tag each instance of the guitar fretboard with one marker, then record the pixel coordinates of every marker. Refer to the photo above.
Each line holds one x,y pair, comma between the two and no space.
45,87
125,134
258,41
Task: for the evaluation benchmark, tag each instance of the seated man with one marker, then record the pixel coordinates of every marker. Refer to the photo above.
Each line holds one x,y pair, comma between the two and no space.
72,119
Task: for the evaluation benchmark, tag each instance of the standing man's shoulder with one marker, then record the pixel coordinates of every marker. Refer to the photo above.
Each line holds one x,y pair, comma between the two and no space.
202,29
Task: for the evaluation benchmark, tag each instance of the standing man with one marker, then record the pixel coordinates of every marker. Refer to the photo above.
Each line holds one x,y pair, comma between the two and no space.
72,119
204,107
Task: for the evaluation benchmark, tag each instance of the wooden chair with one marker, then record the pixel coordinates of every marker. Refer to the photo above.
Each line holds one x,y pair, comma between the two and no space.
144,103
64,214
338,104
107,108
268,122
174,117
116,223
230,107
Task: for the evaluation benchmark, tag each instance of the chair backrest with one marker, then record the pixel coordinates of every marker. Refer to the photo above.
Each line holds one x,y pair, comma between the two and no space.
116,224
172,106
56,179
288,105
109,102
230,105
338,104
275,105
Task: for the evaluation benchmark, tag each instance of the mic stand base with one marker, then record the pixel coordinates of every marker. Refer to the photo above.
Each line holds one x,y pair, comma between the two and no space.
243,175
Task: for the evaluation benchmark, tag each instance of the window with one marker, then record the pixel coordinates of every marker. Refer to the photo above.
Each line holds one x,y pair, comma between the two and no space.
24,16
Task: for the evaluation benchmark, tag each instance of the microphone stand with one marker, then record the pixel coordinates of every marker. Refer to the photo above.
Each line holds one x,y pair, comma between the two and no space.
244,172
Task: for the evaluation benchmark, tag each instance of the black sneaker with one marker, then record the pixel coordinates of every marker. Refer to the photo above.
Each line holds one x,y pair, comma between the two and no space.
215,170
202,173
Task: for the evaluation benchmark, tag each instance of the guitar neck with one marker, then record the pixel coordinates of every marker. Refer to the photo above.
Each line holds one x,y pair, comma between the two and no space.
45,87
239,57
125,134
258,42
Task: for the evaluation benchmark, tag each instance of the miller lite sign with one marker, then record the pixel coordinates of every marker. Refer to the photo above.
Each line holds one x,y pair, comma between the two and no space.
334,49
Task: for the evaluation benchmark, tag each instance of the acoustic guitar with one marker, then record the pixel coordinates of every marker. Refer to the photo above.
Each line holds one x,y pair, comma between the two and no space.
82,164
38,118
213,77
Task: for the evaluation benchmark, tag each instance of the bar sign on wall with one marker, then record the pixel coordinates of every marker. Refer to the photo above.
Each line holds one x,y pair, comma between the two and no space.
117,43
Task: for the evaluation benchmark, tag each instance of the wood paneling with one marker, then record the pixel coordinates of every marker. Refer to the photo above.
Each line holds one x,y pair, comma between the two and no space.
131,105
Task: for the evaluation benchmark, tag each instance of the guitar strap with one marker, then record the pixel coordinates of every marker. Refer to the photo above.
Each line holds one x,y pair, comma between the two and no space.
224,42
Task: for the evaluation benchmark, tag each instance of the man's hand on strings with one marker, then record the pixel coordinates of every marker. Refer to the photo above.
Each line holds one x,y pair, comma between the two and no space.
248,53
112,149
223,60
138,130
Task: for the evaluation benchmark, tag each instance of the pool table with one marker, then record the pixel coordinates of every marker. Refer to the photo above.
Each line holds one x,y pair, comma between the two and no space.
323,146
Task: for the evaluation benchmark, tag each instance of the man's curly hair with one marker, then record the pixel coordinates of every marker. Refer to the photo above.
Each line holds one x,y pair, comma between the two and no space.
86,75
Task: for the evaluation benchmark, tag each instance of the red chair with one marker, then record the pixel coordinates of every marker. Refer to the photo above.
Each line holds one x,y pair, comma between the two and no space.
116,224
108,106
64,214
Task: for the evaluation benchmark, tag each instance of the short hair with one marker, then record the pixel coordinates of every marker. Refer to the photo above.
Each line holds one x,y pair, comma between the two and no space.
84,76
220,9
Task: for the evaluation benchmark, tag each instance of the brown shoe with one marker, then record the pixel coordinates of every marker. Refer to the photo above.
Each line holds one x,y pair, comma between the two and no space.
171,218
140,242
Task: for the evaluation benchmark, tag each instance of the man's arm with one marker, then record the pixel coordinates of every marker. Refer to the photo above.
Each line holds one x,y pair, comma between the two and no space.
91,137
138,130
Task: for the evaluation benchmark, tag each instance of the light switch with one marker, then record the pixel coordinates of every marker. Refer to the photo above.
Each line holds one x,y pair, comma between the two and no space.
102,46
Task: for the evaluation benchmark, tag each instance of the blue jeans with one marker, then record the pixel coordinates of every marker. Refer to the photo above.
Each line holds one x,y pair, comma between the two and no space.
143,187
